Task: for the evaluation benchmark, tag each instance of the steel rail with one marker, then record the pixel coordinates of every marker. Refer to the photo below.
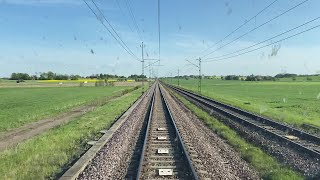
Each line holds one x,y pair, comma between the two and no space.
214,105
194,173
150,111
180,141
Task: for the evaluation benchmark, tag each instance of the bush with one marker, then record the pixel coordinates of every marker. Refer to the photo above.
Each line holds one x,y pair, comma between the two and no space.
231,77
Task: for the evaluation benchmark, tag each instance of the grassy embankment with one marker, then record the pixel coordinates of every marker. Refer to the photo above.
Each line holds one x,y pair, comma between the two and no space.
46,155
267,167
290,102
24,105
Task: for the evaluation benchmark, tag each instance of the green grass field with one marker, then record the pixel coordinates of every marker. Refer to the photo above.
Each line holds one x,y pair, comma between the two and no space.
291,102
23,105
46,155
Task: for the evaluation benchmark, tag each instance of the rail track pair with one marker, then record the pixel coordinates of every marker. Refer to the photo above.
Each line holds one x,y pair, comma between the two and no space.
296,138
164,154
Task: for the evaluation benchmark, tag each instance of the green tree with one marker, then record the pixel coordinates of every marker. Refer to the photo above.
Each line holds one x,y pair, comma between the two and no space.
51,75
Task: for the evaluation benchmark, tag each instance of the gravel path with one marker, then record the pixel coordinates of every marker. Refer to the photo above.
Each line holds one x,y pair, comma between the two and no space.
112,160
217,157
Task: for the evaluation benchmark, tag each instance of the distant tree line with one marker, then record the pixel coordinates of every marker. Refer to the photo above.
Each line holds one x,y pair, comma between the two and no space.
251,77
285,75
118,78
20,76
231,77
43,76
138,77
55,76
267,78
260,78
104,76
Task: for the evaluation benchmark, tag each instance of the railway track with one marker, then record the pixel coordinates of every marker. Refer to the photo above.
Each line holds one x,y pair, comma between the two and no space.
164,155
295,138
148,143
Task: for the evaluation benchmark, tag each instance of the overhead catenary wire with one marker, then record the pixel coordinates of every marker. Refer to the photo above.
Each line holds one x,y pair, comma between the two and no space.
122,11
236,29
184,69
104,17
301,32
285,32
133,19
151,64
255,28
128,5
124,47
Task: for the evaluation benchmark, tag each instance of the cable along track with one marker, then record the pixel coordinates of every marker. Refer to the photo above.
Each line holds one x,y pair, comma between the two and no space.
164,155
298,139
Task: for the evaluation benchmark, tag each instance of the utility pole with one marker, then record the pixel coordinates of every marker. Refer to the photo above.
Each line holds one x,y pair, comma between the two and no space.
178,78
171,78
200,76
142,61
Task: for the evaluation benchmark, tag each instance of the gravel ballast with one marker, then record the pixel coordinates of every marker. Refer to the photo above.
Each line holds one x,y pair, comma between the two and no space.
218,158
112,161
308,166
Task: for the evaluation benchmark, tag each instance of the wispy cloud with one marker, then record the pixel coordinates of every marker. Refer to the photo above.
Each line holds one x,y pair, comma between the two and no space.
41,2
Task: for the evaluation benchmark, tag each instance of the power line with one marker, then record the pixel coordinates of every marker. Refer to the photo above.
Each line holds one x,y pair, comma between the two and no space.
122,11
188,70
128,5
133,19
239,27
104,17
287,31
135,57
314,27
279,15
152,64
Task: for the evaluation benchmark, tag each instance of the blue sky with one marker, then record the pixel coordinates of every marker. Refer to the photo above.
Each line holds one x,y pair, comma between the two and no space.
58,35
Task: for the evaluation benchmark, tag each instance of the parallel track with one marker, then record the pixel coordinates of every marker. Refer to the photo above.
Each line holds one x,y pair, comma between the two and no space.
163,151
296,138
